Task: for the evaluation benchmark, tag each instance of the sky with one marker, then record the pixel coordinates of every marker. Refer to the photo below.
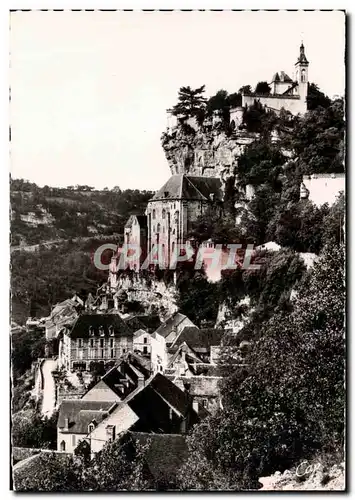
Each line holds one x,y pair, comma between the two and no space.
89,90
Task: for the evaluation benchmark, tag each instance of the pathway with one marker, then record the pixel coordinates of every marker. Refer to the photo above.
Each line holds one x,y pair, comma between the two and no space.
48,402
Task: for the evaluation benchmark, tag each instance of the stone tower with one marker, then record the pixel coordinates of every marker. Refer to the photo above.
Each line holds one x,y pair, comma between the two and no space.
302,76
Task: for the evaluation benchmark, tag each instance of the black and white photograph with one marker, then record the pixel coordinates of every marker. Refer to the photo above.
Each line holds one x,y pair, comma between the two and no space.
178,238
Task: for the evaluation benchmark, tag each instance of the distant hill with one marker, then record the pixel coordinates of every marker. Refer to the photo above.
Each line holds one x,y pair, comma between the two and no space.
45,214
54,233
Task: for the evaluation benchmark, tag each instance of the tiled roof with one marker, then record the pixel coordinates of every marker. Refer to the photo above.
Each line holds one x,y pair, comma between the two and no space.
142,221
85,322
177,398
183,187
165,455
144,322
80,413
200,338
165,329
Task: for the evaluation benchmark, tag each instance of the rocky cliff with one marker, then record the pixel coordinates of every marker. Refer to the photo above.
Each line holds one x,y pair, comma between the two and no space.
208,150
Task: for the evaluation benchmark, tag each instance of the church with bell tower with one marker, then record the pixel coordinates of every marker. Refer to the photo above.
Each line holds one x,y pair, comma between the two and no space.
286,93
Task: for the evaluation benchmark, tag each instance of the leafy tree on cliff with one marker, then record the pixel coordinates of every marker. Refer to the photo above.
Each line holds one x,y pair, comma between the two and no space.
245,89
316,98
191,102
262,88
317,140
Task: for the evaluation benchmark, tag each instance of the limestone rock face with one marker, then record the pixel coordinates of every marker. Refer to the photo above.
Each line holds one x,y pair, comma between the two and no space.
204,150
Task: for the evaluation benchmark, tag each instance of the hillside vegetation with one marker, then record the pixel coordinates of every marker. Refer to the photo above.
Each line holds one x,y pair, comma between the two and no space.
45,214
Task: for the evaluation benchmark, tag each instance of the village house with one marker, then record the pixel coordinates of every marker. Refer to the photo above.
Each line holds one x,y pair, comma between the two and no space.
163,337
131,372
135,235
63,313
93,338
159,406
141,342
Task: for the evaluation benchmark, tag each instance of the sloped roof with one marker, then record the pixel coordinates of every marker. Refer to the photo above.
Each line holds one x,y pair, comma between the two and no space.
85,322
142,221
183,187
81,412
281,77
165,455
165,329
200,338
177,398
143,322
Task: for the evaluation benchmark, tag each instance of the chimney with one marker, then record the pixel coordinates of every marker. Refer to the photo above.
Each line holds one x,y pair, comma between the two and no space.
66,424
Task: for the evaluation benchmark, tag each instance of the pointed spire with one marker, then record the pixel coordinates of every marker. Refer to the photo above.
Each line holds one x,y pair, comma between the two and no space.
302,57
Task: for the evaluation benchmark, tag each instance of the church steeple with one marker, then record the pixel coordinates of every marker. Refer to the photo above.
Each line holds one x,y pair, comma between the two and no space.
302,57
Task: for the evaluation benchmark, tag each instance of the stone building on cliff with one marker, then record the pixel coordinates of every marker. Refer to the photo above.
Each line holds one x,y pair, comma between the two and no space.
285,92
175,206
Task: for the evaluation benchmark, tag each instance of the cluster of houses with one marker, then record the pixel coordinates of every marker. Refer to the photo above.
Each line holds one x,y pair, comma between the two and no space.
158,378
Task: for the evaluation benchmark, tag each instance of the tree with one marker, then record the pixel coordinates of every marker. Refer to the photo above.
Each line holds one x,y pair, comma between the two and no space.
289,403
246,90
190,102
316,98
197,298
31,430
262,88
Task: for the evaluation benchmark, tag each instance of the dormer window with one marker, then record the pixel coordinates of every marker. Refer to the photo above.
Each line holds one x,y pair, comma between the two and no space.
111,331
91,331
91,426
101,331
163,213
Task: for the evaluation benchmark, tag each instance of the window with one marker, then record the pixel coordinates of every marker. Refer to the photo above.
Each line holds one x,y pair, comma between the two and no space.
161,368
145,349
145,340
111,342
80,342
153,214
102,353
91,427
91,342
303,75
158,228
73,440
101,331
101,342
204,403
123,350
163,213
62,446
112,353
153,229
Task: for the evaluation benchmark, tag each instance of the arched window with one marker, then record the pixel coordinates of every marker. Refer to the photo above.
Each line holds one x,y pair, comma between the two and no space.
303,75
232,124
62,446
153,213
163,213
176,217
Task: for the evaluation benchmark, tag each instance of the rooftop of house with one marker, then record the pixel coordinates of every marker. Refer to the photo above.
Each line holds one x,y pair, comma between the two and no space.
197,338
99,325
80,413
173,322
165,454
144,322
183,187
141,219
